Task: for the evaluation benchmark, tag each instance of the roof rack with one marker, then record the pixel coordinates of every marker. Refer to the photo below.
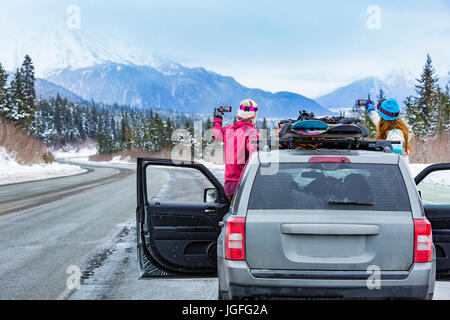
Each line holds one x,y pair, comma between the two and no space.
350,144
329,132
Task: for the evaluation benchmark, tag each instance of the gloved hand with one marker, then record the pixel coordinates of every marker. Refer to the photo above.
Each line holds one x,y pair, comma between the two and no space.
370,106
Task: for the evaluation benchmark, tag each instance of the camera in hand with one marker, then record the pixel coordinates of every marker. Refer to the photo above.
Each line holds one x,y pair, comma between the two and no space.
225,109
363,102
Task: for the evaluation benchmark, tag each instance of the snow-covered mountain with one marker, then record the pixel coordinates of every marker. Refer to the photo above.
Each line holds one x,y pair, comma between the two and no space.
93,67
175,87
46,89
398,85
53,49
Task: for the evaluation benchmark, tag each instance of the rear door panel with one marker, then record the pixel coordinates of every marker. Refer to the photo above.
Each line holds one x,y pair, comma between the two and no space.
329,240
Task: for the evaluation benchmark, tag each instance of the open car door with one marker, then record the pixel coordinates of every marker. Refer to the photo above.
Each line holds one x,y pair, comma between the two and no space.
179,207
433,184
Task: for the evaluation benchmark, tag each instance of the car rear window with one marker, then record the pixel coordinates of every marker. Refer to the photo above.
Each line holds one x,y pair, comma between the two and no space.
331,186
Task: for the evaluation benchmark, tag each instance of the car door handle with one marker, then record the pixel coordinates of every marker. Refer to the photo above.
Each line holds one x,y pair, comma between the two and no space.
210,211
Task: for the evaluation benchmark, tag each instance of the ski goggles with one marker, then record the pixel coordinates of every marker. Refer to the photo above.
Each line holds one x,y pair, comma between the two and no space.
389,114
247,109
379,103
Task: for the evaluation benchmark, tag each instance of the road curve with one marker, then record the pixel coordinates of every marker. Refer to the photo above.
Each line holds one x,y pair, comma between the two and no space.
21,196
68,219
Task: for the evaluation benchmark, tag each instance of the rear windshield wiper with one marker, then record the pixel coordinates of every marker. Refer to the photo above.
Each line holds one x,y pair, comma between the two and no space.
351,202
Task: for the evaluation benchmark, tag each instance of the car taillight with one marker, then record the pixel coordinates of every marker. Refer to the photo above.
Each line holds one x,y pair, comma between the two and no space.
235,239
423,241
330,160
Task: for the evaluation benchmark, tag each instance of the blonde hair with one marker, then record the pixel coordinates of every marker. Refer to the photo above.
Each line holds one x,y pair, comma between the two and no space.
385,126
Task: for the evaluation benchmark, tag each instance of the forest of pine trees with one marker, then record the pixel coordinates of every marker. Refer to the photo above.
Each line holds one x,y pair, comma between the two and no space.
17,100
57,121
428,113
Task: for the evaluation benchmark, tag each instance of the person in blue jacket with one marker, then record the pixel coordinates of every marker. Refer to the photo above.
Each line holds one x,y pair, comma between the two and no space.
390,126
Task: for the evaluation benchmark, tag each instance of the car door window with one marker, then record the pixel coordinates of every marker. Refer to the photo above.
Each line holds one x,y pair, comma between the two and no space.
435,188
176,184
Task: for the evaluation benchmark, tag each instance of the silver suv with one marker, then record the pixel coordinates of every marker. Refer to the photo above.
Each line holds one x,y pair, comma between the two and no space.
325,223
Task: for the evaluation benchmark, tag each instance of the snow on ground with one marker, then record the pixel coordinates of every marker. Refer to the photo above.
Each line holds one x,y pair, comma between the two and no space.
439,177
82,154
118,160
13,172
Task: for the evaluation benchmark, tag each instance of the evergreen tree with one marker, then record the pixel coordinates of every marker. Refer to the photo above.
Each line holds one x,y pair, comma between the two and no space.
15,107
28,92
125,134
422,111
157,133
264,124
381,95
3,92
443,124
168,131
208,124
101,143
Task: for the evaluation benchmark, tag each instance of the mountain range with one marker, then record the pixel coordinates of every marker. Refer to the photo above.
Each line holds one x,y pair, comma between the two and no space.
46,89
78,67
397,85
175,87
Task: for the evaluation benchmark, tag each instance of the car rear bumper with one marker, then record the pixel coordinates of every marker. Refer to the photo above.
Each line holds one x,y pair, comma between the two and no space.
238,281
411,292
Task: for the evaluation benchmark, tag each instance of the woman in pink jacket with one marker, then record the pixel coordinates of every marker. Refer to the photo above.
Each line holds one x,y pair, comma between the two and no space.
240,142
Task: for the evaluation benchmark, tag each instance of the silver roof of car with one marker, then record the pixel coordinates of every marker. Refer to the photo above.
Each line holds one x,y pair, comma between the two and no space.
302,155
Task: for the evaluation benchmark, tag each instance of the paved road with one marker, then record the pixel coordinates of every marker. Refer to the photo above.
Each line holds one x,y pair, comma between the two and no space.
90,226
116,277
37,245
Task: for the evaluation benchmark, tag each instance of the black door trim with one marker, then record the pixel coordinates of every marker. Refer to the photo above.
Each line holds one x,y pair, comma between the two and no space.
430,169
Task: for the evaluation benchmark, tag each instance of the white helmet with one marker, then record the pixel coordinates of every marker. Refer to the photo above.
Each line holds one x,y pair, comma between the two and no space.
248,111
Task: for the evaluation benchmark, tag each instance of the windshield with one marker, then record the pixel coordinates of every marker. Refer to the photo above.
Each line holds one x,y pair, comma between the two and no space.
332,186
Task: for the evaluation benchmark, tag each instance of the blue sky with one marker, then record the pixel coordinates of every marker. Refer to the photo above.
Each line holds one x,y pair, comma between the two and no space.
309,47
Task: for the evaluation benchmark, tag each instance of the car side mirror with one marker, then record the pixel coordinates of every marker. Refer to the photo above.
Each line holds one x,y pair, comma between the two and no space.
211,195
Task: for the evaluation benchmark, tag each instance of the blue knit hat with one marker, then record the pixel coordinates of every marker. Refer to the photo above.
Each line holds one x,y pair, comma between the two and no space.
389,110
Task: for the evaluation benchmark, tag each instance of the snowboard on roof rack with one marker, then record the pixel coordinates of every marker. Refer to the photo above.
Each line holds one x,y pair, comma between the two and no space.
327,132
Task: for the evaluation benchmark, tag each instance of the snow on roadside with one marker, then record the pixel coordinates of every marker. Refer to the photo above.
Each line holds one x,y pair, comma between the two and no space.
13,172
119,160
82,154
216,169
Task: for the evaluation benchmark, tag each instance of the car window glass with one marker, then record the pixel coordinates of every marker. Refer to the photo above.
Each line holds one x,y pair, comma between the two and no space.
332,186
176,184
435,188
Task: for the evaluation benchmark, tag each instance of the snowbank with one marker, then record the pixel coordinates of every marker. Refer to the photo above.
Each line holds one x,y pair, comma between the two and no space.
119,159
12,172
81,154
